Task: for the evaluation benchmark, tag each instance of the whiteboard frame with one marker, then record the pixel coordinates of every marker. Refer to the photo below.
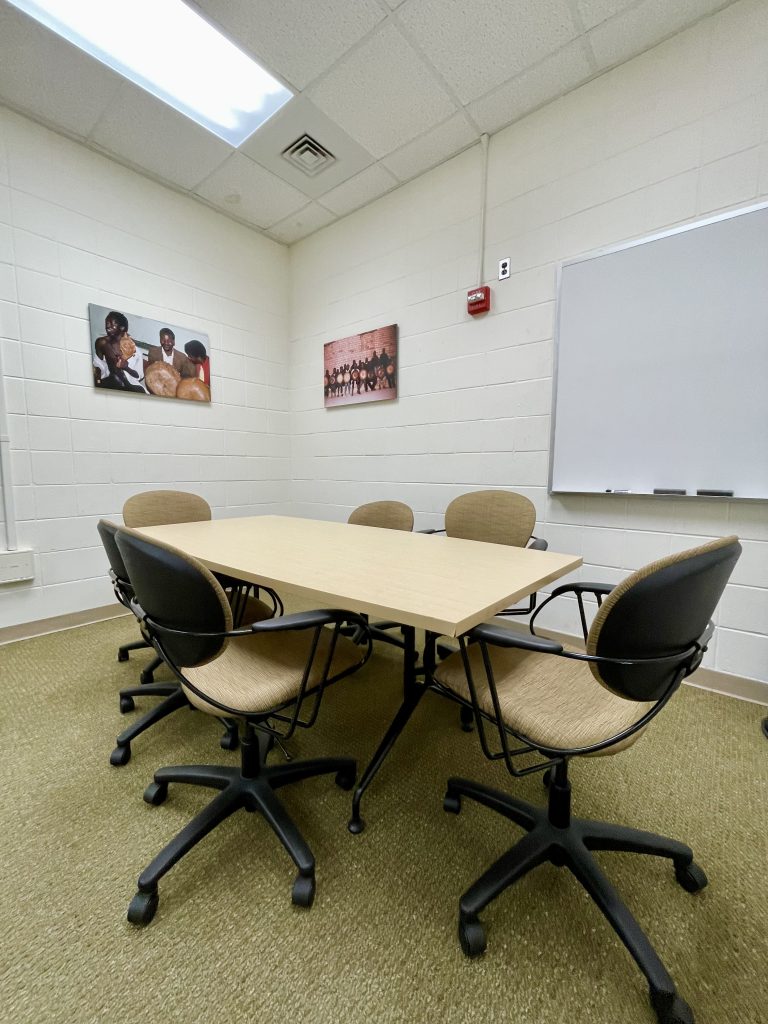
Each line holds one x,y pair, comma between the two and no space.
606,251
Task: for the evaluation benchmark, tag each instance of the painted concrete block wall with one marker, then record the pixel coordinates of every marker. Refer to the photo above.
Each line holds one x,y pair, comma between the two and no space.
76,228
677,133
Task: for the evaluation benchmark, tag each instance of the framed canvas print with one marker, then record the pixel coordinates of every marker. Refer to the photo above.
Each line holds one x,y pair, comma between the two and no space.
361,368
152,358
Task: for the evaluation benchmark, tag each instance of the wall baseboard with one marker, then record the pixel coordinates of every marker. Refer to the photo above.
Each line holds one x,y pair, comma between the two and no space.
705,678
27,630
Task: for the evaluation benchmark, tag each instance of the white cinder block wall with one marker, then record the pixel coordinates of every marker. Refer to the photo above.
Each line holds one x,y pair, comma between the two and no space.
76,228
677,133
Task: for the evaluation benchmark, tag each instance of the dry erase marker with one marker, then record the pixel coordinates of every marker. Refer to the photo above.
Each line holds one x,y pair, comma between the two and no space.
616,490
715,494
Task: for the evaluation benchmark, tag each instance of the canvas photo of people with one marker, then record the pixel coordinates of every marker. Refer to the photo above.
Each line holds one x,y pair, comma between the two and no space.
148,357
361,368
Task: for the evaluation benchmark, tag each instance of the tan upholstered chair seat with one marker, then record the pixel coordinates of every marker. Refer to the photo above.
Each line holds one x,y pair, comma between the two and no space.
553,701
254,611
255,673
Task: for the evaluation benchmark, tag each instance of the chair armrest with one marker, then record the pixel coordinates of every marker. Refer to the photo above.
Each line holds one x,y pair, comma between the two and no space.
538,544
500,637
305,620
583,588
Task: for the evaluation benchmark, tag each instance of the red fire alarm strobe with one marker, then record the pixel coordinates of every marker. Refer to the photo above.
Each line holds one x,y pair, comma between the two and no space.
479,300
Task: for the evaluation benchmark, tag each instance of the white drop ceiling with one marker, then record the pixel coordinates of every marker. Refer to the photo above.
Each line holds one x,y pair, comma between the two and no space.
390,88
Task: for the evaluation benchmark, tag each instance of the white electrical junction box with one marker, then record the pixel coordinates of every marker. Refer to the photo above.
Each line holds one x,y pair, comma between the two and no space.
17,565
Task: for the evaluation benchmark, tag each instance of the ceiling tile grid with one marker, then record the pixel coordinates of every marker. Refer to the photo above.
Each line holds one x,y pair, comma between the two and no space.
556,74
476,47
308,219
382,93
644,25
250,193
370,184
54,81
432,148
296,41
142,130
390,88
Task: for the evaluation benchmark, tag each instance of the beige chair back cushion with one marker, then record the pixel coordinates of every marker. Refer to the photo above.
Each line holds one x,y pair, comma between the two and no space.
161,508
387,515
496,517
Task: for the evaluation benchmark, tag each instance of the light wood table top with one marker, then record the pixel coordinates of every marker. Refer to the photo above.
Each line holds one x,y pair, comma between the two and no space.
434,582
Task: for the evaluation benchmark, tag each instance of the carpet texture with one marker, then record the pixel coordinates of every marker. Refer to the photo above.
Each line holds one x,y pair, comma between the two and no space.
379,944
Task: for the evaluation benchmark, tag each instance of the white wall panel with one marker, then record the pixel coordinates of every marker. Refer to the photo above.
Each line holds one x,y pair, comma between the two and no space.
651,144
76,228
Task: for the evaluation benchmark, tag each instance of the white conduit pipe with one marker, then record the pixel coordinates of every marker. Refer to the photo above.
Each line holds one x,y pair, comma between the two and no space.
483,195
6,479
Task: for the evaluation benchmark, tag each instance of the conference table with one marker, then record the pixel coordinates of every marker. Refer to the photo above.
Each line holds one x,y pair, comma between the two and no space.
443,585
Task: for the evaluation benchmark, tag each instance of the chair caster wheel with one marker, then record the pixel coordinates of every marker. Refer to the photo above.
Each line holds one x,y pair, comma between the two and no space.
127,704
471,937
122,655
691,877
229,740
303,892
120,755
143,907
147,677
671,1009
345,779
156,793
452,803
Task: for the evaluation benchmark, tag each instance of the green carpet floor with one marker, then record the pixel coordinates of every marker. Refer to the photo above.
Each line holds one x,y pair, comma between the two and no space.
380,942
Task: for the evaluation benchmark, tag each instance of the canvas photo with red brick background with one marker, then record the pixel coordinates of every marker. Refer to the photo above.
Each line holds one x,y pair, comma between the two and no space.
361,368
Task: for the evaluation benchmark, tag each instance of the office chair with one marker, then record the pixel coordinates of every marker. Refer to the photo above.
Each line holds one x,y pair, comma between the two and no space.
495,517
159,508
260,674
164,508
650,632
171,691
386,515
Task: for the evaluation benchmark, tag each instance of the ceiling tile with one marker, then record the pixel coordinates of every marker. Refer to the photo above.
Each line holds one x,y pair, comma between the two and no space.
554,76
246,191
594,11
49,78
372,183
299,117
298,41
382,94
476,47
301,224
642,27
431,149
142,130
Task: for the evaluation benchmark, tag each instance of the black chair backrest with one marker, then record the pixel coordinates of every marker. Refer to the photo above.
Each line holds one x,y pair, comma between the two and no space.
659,611
177,592
108,532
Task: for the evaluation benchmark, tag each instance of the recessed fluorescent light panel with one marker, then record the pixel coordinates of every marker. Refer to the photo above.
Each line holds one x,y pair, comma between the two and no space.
169,50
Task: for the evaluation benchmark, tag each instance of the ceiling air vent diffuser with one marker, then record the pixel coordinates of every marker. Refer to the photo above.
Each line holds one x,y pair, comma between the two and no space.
308,155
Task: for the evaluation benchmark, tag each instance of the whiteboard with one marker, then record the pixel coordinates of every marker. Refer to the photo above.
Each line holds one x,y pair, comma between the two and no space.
661,364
